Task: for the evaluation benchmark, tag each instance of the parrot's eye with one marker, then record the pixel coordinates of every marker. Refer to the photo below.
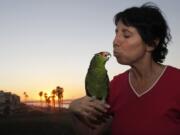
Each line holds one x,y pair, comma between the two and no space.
105,55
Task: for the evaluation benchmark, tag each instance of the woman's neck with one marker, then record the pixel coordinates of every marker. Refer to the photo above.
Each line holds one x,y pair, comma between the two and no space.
146,70
143,78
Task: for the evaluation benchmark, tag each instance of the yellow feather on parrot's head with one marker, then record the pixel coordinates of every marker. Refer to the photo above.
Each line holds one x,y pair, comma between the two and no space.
100,59
104,55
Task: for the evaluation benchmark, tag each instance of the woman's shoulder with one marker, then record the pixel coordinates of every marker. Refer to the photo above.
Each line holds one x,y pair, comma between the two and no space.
173,70
121,76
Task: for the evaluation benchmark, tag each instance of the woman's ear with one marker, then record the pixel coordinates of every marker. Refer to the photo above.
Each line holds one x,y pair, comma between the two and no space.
153,45
150,48
156,42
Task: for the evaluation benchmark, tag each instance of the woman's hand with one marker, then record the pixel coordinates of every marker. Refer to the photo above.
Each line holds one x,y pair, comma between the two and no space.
90,109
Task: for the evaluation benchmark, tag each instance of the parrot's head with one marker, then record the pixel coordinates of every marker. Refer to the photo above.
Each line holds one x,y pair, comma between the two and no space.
104,56
100,59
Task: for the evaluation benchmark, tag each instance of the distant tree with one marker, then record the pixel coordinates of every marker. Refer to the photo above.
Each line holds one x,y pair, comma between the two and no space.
41,94
47,100
45,97
59,93
53,95
25,96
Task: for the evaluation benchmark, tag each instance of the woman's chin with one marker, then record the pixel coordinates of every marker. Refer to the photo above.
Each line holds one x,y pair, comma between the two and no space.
122,62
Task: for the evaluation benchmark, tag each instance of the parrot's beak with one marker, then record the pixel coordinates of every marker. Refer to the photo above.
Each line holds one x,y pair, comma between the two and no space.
108,55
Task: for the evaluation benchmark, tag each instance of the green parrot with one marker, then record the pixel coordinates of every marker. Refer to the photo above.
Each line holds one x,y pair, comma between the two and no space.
97,80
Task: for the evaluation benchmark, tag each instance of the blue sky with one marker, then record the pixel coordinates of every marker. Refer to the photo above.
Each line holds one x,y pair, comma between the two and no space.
46,43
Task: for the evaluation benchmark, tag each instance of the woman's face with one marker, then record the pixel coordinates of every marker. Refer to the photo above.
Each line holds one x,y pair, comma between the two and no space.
128,46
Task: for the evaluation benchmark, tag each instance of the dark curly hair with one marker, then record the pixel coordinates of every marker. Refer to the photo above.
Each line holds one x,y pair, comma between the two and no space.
151,25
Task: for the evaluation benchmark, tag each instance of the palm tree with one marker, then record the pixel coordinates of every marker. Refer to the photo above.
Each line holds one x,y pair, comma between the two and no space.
53,93
59,93
45,97
25,96
47,100
41,94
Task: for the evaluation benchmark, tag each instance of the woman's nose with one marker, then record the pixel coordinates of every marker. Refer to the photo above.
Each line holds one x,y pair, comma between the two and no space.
116,42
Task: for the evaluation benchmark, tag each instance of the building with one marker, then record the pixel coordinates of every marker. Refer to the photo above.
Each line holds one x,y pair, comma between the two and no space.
8,102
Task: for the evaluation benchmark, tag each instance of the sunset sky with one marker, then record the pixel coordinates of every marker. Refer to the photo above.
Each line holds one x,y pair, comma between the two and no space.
49,43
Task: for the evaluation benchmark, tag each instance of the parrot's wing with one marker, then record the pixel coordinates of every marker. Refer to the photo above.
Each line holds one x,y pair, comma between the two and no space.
90,81
97,83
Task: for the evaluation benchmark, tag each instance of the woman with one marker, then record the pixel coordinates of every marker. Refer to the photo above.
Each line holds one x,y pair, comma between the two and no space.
144,100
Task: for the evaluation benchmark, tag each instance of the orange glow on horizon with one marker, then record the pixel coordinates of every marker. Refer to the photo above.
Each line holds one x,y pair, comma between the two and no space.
34,94
72,89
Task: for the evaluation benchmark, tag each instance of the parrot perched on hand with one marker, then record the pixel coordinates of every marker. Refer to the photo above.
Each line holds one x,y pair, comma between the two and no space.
97,80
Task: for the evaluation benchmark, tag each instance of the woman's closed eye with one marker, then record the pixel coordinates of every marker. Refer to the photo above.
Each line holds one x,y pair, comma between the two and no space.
127,34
